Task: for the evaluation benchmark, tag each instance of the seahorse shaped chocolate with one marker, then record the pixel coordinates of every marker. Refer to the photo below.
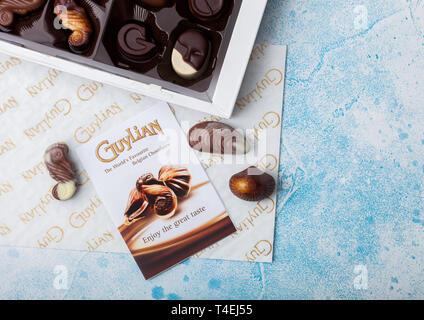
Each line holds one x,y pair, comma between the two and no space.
74,18
61,169
8,9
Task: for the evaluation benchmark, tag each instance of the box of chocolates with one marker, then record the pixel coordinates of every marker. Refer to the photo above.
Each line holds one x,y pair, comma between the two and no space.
192,53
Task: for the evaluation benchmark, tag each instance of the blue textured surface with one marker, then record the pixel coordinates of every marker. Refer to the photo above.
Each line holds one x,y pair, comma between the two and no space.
354,119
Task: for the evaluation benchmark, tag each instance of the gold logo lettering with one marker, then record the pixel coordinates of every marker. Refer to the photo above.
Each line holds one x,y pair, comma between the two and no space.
108,152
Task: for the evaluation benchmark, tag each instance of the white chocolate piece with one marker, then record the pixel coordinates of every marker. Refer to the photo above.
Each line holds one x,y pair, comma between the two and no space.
65,191
182,68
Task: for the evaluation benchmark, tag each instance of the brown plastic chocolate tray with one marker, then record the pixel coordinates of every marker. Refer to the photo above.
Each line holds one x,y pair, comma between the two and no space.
38,31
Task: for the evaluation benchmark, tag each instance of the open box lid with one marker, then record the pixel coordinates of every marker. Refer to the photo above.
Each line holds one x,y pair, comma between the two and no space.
228,83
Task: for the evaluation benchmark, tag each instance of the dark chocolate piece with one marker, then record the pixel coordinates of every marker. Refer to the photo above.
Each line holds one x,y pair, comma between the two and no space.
136,206
133,42
10,7
206,9
61,170
147,179
252,184
218,138
177,179
155,3
191,54
162,200
74,18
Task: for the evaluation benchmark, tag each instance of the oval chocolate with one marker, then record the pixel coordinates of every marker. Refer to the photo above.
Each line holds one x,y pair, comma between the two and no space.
191,54
252,184
217,138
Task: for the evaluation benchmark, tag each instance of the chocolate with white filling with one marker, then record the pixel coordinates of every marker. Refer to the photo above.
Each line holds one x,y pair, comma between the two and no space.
61,169
191,54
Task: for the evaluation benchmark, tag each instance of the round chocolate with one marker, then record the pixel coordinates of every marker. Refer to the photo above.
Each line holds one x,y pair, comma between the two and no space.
134,44
191,54
252,184
206,9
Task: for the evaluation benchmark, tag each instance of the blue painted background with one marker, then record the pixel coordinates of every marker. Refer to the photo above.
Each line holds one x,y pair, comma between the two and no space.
353,117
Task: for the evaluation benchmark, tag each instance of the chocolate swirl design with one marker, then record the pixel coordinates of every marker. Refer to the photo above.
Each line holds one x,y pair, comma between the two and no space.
60,168
10,7
136,206
134,44
252,184
162,199
74,18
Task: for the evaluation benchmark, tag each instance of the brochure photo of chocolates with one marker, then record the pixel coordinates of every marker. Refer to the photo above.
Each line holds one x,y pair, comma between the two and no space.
158,195
157,206
166,208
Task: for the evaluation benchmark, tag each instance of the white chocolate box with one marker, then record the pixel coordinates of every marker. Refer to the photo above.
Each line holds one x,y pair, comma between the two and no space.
218,100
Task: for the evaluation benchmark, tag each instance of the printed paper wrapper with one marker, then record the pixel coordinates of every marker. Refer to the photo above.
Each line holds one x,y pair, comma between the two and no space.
40,106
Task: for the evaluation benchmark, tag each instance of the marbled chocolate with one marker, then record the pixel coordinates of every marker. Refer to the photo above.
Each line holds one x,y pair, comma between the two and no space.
8,9
61,170
217,138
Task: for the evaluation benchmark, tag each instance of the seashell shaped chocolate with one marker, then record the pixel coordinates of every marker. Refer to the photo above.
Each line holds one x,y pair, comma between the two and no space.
147,179
177,179
252,184
162,200
136,206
